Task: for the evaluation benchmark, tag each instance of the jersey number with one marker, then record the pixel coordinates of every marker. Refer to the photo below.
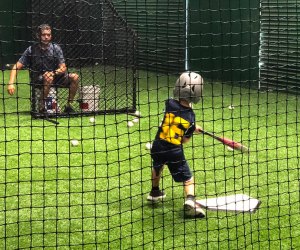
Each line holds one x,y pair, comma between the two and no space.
173,128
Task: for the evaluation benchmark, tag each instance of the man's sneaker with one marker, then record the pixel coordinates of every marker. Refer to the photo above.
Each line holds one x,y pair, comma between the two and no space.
69,110
156,195
193,209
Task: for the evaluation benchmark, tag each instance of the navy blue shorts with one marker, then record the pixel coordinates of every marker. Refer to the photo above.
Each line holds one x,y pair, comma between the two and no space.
164,153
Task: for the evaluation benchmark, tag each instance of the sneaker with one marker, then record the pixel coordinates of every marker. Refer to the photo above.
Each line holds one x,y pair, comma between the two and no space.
156,195
69,110
193,209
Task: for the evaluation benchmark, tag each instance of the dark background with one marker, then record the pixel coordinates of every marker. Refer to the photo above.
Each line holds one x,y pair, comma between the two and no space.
223,35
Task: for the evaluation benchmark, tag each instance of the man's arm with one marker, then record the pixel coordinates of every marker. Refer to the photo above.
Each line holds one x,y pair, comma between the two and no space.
13,73
62,68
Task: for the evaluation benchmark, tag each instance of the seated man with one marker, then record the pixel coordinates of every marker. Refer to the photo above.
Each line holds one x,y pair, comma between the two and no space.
47,68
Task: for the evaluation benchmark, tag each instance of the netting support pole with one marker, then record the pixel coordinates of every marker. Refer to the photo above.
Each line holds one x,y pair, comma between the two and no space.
186,59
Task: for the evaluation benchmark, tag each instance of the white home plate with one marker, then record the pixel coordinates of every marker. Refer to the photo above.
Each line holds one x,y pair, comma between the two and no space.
236,203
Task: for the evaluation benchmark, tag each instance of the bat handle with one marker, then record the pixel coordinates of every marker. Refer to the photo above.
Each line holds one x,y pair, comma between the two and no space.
135,115
205,132
199,130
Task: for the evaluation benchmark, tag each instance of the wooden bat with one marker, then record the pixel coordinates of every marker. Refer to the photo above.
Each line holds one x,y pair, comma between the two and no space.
230,143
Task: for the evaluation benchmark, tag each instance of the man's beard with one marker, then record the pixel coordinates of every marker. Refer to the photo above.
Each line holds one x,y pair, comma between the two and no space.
44,43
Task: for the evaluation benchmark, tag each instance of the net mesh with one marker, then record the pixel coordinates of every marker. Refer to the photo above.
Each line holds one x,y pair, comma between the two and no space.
279,49
83,181
99,46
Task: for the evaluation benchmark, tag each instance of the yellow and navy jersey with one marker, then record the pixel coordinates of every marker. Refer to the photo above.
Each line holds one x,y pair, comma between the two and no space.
178,122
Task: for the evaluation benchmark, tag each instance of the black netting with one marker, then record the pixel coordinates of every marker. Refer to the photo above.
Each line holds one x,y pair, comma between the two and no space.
98,45
97,182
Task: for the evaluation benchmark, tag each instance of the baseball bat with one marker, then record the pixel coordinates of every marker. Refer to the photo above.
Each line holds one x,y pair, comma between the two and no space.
230,143
46,118
135,115
51,120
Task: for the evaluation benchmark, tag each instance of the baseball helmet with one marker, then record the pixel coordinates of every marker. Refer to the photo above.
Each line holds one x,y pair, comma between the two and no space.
189,86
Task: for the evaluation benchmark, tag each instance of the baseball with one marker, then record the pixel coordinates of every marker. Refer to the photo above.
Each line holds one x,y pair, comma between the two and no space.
136,120
74,143
148,145
92,120
130,124
231,107
138,113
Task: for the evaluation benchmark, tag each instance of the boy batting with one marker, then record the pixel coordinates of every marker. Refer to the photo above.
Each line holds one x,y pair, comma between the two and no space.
177,129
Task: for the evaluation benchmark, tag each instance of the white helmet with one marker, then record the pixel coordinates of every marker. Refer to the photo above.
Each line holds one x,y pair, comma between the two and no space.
189,86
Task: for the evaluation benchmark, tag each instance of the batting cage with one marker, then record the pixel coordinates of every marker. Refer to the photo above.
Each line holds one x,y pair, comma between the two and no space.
129,124
99,46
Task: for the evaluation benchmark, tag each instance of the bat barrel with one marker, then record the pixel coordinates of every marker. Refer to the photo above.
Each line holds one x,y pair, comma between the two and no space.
228,142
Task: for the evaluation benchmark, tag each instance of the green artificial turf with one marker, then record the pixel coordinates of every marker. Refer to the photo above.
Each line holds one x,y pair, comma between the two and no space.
53,195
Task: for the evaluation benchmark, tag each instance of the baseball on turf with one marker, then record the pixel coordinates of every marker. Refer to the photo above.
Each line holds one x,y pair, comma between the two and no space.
231,107
136,120
137,112
92,120
130,124
148,145
74,143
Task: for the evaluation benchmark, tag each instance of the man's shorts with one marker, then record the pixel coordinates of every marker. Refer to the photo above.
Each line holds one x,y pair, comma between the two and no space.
164,153
61,80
